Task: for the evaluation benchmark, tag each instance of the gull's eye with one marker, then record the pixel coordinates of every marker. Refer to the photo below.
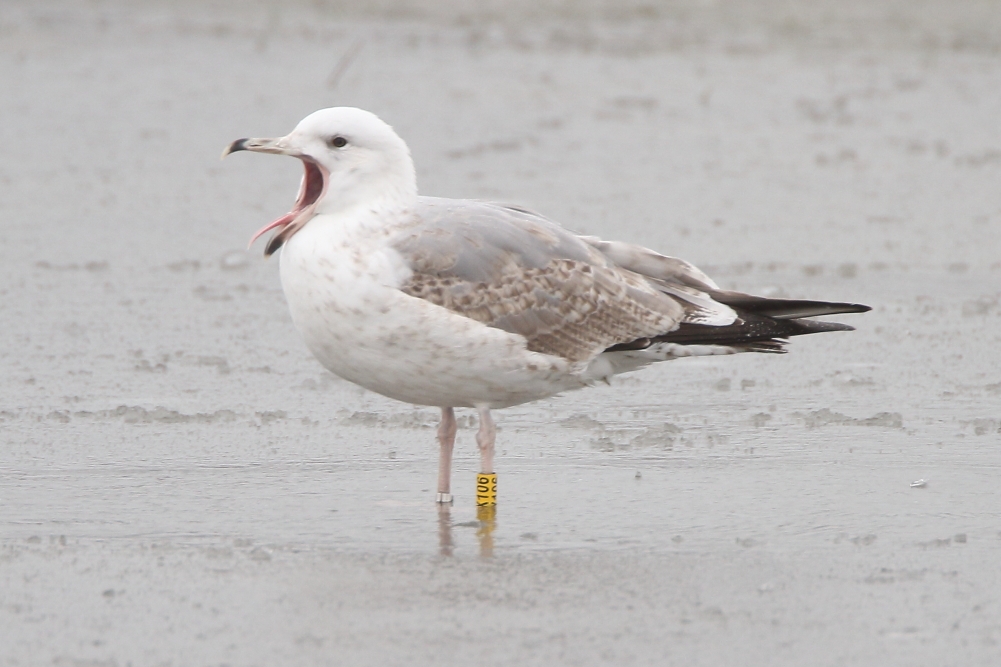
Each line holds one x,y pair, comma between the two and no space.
337,142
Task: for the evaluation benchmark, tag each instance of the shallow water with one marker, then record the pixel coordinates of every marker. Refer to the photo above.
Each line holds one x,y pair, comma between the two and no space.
182,484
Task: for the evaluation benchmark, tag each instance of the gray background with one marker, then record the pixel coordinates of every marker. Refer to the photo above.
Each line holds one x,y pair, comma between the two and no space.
181,484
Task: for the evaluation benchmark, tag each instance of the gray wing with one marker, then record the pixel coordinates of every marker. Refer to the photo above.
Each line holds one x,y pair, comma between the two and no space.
715,306
519,272
670,275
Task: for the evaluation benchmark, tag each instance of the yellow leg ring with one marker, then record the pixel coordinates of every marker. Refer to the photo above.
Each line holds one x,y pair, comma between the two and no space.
486,489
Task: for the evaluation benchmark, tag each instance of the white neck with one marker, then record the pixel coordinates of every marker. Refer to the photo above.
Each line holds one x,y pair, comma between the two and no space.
388,183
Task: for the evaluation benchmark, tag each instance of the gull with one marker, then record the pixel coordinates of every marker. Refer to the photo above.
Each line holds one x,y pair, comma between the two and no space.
464,303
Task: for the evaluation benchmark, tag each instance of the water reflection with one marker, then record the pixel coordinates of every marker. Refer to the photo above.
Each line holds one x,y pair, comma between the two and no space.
487,516
445,544
485,524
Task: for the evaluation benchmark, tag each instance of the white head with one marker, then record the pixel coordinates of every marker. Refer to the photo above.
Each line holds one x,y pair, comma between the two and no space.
350,156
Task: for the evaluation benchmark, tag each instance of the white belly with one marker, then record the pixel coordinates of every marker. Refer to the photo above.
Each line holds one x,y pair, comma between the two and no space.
341,290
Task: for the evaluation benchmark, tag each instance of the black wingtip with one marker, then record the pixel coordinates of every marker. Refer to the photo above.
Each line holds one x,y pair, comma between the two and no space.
851,308
800,327
786,309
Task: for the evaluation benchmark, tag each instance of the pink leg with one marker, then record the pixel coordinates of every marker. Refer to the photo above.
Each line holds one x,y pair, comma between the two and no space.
485,438
446,441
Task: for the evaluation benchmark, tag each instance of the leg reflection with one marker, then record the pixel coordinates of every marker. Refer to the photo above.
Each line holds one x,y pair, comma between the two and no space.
487,516
445,544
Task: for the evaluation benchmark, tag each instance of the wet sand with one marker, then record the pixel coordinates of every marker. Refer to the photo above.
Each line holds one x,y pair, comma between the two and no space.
182,484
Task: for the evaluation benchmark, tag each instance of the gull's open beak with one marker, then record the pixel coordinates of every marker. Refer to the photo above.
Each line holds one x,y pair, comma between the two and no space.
277,146
314,184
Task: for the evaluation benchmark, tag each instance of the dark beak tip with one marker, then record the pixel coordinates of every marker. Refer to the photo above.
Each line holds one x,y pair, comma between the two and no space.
274,244
238,145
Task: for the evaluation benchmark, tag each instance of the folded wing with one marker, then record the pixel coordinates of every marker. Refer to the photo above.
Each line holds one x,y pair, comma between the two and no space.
760,324
577,297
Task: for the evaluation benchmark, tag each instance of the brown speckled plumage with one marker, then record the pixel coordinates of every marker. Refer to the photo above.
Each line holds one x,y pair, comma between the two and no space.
566,308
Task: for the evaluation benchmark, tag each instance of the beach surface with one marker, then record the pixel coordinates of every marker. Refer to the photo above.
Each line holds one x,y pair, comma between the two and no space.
182,484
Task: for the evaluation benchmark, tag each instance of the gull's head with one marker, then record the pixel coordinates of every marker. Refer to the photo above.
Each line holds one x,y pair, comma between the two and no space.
351,158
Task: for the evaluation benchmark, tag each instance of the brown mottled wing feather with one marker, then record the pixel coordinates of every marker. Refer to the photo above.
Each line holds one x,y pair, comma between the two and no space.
521,273
653,265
